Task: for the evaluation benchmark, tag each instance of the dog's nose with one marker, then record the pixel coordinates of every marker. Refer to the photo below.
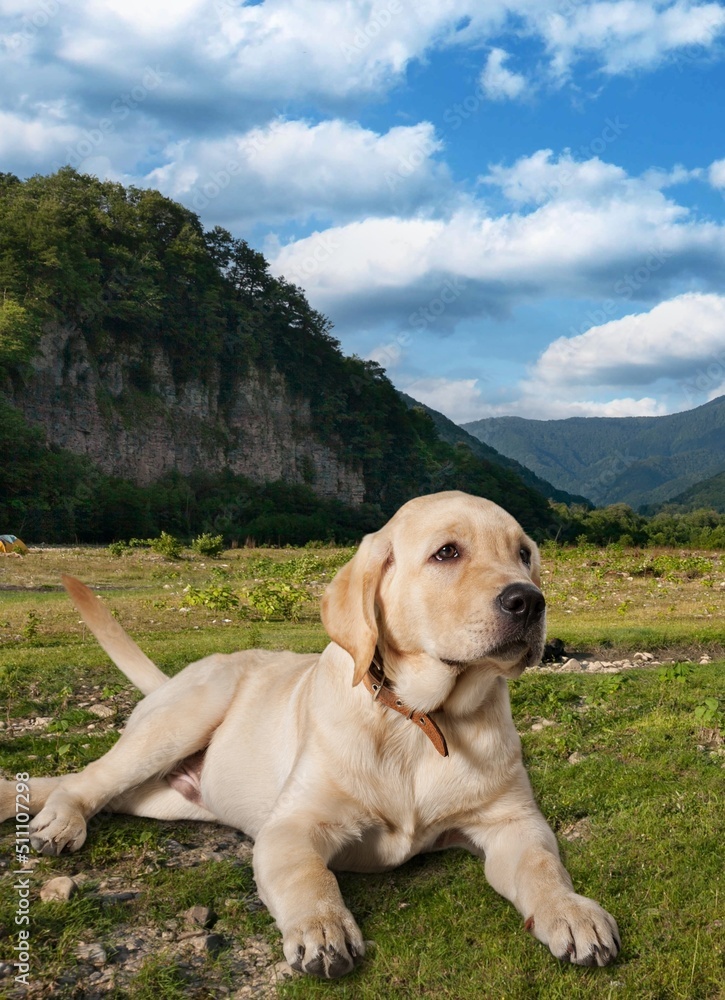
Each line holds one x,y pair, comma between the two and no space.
522,600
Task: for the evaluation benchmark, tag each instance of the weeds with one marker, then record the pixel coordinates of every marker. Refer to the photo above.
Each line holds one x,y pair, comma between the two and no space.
32,624
708,714
208,545
215,597
277,601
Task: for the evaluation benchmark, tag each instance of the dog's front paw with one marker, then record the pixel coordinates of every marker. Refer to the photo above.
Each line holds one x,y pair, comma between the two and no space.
57,828
327,944
577,930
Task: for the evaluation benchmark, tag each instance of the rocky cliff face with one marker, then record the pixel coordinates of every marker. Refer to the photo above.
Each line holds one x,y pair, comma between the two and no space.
94,407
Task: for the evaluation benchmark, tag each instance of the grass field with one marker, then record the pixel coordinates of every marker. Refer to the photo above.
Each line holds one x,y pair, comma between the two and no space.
629,770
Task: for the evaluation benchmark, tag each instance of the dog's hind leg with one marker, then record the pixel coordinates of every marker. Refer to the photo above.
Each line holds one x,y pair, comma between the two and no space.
156,799
28,796
169,725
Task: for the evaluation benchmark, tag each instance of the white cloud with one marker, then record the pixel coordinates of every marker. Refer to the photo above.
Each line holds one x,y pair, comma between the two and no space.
670,341
33,139
539,407
716,174
628,34
539,178
225,58
498,82
459,399
594,233
677,347
294,169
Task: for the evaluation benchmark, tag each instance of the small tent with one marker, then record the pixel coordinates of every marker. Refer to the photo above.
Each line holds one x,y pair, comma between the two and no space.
11,543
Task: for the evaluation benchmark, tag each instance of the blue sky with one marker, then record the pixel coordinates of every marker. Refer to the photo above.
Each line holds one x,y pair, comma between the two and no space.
516,207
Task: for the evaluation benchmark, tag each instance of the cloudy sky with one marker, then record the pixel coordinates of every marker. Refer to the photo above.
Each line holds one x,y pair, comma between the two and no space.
515,207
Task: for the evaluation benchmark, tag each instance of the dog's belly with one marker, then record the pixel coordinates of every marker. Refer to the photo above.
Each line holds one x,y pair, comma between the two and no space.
252,753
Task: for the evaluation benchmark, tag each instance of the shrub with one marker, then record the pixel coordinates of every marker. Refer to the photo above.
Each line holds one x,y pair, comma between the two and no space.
166,545
208,544
275,600
118,549
216,597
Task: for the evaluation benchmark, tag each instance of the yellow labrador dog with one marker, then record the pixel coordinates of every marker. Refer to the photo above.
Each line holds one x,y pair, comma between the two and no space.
397,739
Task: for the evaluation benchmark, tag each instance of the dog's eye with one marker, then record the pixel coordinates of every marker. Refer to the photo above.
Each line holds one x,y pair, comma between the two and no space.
525,555
446,552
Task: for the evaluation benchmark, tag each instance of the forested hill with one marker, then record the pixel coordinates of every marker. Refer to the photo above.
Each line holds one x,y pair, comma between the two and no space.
641,461
709,494
180,374
454,434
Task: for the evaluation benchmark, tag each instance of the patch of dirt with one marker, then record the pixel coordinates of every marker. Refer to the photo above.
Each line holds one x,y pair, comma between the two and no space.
184,945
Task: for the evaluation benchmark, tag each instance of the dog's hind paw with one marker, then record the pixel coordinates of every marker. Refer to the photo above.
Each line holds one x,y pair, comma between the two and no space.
578,931
57,828
327,944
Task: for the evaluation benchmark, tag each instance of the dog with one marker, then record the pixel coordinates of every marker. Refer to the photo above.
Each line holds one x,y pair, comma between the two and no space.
396,740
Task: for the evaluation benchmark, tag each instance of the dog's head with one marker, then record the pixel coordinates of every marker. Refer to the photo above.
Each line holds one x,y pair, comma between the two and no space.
448,590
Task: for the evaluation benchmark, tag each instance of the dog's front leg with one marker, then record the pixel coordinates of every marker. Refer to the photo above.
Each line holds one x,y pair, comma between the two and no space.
319,933
523,865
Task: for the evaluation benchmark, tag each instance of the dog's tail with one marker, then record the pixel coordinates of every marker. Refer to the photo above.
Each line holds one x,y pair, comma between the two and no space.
124,652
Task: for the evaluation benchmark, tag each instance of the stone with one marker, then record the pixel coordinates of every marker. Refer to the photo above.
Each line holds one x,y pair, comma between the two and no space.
201,916
281,970
643,657
212,944
102,711
93,953
58,889
542,724
571,664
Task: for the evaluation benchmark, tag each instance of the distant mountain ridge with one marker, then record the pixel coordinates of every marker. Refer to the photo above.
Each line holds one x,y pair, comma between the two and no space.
709,494
453,434
635,460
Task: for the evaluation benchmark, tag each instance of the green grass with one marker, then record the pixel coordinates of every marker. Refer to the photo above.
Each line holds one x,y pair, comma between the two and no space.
640,813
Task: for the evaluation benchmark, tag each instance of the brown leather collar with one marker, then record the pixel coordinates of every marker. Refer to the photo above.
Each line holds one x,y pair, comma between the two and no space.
377,684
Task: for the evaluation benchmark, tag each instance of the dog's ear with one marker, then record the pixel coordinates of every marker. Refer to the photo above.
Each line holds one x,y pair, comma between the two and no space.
348,604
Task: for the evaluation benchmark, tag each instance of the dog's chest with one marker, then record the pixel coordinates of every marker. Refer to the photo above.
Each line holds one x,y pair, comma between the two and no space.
408,817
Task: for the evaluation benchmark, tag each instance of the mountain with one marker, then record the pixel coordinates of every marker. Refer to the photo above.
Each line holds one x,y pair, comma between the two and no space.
641,461
152,367
707,495
453,434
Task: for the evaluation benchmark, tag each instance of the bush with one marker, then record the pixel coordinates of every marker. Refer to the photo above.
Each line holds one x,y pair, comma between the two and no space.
208,544
166,545
118,549
277,600
216,597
